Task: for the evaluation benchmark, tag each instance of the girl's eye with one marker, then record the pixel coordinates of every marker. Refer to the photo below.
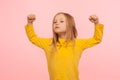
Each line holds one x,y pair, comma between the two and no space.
61,21
55,22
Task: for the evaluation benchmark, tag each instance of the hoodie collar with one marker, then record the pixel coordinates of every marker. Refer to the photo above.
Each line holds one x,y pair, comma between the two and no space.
62,42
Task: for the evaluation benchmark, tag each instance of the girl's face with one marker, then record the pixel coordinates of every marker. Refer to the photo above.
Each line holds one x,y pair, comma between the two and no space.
59,24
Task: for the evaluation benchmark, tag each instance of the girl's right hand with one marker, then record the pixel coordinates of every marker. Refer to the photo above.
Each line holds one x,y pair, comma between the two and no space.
31,18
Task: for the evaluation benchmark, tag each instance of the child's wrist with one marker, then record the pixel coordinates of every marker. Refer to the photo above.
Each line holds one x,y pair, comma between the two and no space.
96,23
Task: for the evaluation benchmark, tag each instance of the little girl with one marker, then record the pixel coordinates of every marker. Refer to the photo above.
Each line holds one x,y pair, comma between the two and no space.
64,50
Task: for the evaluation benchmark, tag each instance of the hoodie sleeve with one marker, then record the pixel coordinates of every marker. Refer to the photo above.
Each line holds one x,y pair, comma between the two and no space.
40,42
97,37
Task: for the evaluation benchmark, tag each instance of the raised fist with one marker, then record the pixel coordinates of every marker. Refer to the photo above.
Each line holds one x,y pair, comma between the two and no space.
31,18
94,19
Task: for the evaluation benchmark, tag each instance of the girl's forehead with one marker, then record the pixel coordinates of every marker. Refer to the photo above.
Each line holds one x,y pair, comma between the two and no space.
60,16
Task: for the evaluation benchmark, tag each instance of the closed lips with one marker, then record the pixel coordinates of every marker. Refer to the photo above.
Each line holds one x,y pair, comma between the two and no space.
56,27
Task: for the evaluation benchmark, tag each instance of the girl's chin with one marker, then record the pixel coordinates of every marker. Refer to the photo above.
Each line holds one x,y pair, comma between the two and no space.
57,31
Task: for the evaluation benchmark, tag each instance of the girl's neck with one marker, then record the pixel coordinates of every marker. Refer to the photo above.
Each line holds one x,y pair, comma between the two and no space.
62,35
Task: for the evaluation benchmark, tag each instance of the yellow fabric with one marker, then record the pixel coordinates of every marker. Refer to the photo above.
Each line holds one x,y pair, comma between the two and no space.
63,64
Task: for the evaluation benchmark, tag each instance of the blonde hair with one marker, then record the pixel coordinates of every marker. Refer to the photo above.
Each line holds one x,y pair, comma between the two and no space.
71,32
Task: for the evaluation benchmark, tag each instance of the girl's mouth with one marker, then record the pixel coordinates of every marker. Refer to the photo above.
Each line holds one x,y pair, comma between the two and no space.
57,27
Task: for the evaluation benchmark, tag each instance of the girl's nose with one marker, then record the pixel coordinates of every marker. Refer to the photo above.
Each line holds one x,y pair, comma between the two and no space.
57,23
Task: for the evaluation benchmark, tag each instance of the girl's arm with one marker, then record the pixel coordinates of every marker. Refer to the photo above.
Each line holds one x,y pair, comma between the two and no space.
98,33
41,42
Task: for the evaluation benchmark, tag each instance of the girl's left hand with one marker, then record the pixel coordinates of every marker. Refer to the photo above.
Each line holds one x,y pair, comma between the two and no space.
94,19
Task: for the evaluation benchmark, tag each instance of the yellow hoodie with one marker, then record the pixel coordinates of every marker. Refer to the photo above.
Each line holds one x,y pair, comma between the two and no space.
63,63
